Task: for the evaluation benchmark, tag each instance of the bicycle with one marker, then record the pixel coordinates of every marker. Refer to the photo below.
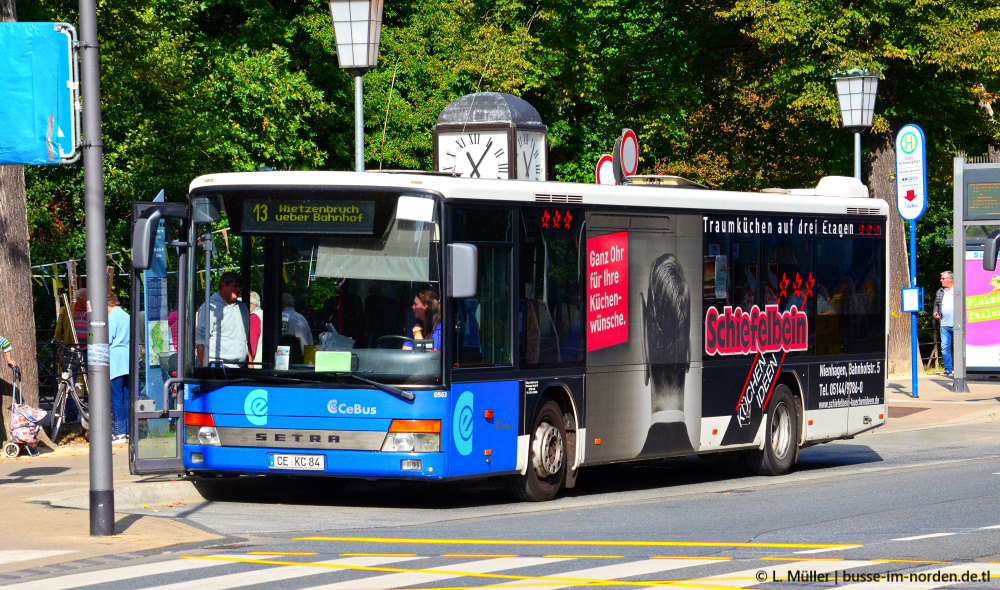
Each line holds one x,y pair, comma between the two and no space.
71,363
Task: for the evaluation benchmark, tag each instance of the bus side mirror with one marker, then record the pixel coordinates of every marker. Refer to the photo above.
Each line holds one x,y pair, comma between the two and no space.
462,265
144,232
990,251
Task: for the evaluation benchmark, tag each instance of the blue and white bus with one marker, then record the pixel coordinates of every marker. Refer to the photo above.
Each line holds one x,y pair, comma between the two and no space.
558,325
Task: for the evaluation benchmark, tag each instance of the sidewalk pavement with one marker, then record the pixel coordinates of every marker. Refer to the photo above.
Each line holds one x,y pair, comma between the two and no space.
48,496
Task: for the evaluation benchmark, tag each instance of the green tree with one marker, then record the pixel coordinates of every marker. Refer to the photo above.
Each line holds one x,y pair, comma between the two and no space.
937,58
17,321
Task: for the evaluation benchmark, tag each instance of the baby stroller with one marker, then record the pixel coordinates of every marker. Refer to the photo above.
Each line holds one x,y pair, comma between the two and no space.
23,423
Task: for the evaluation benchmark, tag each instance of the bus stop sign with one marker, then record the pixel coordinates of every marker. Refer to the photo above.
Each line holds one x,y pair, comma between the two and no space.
911,173
38,113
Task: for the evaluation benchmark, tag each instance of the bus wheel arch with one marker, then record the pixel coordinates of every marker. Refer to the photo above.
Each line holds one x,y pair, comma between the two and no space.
782,435
551,451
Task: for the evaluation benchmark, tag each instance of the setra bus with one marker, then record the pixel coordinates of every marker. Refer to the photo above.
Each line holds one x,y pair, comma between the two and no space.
558,325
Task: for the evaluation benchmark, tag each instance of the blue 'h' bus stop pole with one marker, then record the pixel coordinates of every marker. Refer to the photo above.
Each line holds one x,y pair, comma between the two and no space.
913,315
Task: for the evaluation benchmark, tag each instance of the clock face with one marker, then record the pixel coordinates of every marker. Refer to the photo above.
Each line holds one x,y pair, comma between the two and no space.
474,154
531,155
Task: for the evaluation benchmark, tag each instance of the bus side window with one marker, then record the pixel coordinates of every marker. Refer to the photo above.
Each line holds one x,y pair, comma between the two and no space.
550,310
483,323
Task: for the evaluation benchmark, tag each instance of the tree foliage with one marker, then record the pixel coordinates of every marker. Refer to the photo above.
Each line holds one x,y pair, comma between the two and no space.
735,93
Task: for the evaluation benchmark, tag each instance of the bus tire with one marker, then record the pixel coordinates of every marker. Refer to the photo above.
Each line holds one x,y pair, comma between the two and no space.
782,437
546,458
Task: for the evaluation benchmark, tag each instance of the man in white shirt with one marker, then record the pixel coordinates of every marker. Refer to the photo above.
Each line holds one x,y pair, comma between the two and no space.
944,310
223,326
293,322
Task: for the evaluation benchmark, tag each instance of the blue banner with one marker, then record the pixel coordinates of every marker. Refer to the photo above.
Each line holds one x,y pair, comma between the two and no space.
36,113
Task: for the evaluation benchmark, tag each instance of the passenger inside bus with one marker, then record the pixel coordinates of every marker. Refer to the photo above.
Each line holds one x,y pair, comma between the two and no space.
294,323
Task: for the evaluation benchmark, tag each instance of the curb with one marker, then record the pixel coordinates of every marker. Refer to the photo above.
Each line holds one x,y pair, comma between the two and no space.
132,496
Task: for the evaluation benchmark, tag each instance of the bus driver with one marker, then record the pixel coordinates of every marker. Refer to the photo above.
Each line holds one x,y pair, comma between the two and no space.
224,326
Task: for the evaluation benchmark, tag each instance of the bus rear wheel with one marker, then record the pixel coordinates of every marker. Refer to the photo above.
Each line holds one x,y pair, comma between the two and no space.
546,458
782,437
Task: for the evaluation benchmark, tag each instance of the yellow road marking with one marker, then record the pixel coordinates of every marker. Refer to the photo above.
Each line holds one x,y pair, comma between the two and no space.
591,543
909,561
479,555
687,557
278,553
586,556
377,554
800,559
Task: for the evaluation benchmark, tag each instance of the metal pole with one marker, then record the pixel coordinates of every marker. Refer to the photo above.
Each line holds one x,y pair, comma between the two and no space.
916,363
857,155
102,492
959,384
359,125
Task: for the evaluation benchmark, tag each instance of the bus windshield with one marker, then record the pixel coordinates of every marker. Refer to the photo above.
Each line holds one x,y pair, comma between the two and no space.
315,286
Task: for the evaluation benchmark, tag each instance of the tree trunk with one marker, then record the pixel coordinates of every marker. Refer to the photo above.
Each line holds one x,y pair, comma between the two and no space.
882,185
17,314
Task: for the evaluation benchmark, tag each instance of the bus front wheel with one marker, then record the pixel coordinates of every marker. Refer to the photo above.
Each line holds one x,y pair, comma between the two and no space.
781,439
546,458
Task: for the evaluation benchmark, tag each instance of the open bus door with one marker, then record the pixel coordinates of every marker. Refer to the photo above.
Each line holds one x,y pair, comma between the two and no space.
156,408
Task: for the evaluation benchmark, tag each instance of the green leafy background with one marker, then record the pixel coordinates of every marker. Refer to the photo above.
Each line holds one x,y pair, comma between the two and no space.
736,94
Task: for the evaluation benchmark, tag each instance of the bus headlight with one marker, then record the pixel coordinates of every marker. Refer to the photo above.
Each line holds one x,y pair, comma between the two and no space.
199,429
202,435
412,442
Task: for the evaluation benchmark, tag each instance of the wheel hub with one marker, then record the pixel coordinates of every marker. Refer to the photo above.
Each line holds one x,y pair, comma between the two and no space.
547,450
781,431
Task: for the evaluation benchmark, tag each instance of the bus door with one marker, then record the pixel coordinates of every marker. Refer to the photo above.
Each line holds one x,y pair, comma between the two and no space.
156,413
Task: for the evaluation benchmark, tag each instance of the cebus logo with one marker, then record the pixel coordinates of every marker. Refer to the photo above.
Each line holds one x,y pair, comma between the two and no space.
462,423
255,407
350,409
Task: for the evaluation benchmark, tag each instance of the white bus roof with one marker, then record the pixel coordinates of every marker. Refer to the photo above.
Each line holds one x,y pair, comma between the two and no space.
833,195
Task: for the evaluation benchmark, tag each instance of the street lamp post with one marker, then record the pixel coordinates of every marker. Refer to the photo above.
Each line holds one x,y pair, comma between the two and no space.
856,90
357,25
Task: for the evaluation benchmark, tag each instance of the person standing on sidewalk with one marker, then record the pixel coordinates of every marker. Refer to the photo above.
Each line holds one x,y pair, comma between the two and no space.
118,341
944,310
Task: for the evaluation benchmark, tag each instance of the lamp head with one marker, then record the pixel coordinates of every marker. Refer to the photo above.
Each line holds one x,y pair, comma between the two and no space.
856,91
357,25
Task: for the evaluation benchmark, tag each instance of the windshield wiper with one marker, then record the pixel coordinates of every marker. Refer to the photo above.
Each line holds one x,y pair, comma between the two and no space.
403,395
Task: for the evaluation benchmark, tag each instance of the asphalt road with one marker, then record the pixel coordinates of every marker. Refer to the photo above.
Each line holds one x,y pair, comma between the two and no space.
868,474
911,504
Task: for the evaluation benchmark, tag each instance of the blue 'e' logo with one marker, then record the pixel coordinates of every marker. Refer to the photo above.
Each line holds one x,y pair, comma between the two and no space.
462,423
255,407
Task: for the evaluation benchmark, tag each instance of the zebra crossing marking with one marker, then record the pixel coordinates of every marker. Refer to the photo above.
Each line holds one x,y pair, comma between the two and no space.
277,574
106,576
602,574
15,555
557,543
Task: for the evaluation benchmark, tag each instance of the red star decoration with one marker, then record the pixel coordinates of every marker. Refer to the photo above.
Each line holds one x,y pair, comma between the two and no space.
555,220
809,286
784,285
798,283
545,219
566,219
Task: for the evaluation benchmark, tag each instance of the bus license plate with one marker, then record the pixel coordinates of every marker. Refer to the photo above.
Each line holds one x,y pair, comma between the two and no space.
296,462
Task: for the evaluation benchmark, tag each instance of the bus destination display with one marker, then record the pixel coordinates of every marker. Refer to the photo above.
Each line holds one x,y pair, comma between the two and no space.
982,200
308,216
